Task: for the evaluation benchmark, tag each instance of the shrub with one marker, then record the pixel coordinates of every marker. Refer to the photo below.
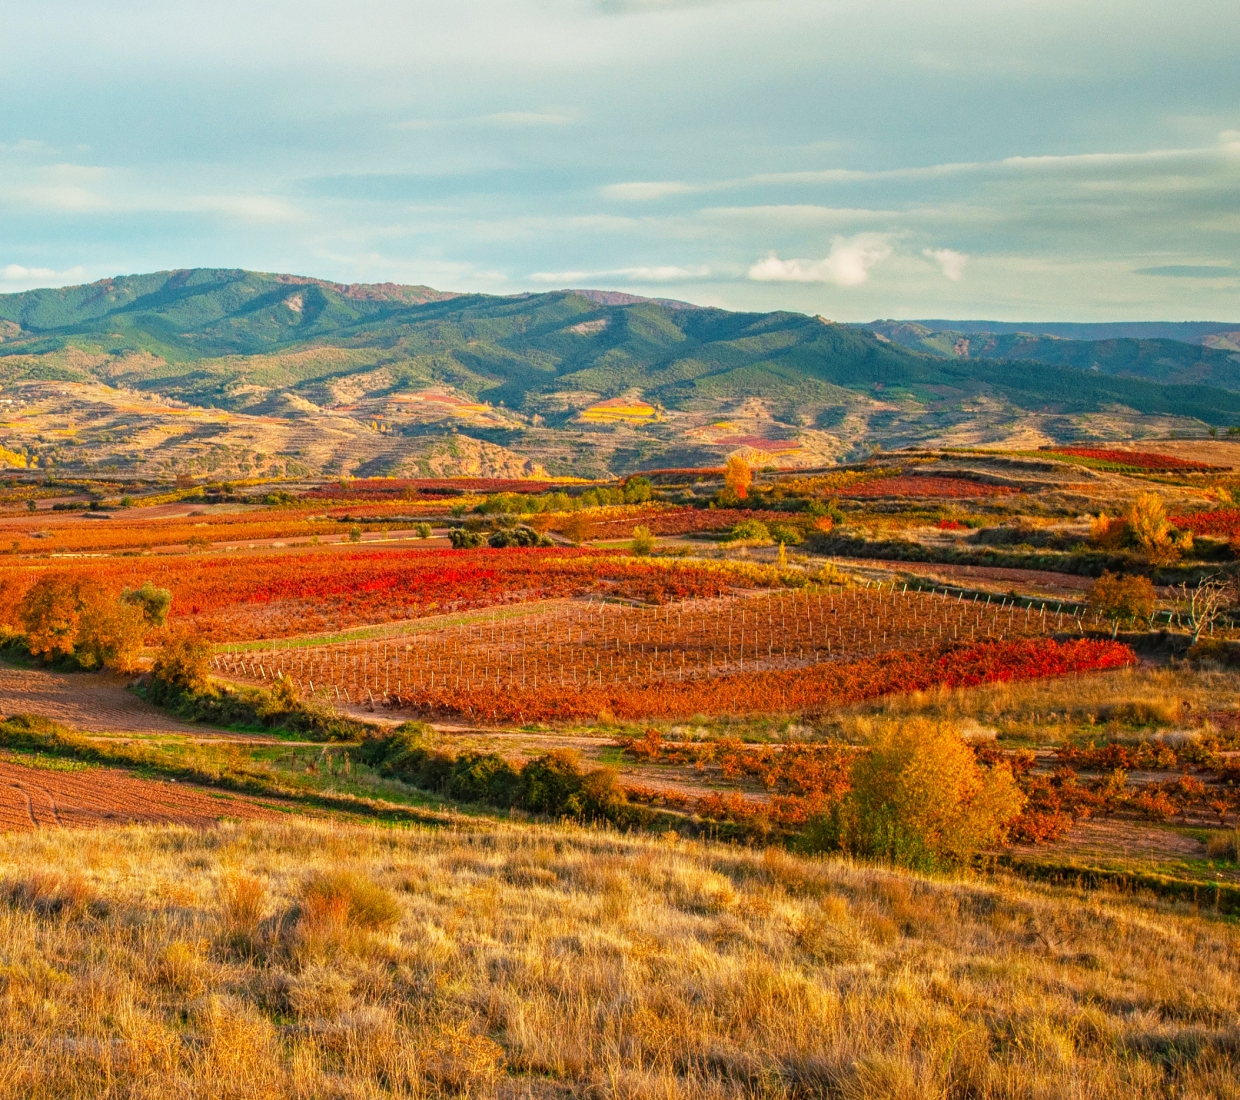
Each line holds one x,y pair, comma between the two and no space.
355,533
788,535
483,777
738,477
352,898
422,530
153,602
1123,599
578,529
637,490
340,909
920,798
751,531
643,541
516,536
463,539
182,666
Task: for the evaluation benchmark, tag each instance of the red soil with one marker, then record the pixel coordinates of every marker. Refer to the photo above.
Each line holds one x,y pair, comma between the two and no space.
32,798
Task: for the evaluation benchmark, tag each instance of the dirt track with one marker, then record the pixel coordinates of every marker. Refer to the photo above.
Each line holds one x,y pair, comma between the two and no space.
32,798
91,701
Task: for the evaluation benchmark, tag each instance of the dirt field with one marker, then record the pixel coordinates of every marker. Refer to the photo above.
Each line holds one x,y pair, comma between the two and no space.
91,701
81,797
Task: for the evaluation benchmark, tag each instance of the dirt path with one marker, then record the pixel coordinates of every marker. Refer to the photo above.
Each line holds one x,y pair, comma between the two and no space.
46,797
91,701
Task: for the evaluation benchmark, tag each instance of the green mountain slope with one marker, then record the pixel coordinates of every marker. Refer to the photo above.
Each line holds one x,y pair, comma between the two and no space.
411,362
1155,359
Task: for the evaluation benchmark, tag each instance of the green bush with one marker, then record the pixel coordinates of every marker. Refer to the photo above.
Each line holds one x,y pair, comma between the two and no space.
643,541
555,785
463,539
790,536
516,536
153,602
751,530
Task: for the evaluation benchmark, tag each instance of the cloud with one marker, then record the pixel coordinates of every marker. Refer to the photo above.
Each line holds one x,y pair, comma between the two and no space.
1224,152
949,260
1190,271
639,191
662,273
848,264
18,276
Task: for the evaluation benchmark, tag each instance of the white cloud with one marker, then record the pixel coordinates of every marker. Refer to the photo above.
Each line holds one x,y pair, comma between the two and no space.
949,260
639,191
20,277
848,264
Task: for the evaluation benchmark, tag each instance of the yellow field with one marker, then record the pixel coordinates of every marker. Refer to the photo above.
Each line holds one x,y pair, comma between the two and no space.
538,961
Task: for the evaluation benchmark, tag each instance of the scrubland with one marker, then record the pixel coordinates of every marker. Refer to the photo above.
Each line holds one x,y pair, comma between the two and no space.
319,959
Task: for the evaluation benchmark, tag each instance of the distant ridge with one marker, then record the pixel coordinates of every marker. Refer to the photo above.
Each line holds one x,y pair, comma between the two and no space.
619,298
1187,332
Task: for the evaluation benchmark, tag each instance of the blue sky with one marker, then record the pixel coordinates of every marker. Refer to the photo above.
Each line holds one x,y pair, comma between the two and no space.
1014,159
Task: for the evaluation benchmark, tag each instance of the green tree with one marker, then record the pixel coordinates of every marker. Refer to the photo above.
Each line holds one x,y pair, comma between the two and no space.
153,602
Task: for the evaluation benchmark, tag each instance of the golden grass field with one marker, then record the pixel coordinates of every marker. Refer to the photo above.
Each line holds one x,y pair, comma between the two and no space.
306,959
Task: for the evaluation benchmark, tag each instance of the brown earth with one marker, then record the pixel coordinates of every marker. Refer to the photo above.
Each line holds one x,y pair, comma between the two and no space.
94,701
43,797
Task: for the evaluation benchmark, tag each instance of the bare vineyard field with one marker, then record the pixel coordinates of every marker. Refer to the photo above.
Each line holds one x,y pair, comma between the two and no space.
583,645
71,796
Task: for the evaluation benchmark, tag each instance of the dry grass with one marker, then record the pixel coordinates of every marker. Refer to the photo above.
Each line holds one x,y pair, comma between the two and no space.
1127,697
327,960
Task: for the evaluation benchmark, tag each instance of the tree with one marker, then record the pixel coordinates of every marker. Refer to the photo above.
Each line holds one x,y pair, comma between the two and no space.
1122,599
637,490
643,541
51,613
63,615
153,602
110,633
737,477
184,664
920,798
1205,604
578,529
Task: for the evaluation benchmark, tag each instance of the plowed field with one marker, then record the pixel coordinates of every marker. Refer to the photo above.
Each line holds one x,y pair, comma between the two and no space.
32,798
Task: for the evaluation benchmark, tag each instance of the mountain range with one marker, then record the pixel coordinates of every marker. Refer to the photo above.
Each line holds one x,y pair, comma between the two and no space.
231,373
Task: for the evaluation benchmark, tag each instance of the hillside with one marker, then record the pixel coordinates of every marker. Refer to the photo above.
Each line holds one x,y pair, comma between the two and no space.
1208,359
574,381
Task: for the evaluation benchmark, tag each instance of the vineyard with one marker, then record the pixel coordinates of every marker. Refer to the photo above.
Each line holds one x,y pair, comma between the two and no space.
272,595
913,485
776,651
1148,462
1224,522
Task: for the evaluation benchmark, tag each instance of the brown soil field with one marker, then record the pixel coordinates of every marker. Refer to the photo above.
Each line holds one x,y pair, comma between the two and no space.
93,701
44,797
1026,581
1213,452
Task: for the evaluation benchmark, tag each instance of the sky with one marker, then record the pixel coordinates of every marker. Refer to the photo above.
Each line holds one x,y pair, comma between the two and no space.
1074,160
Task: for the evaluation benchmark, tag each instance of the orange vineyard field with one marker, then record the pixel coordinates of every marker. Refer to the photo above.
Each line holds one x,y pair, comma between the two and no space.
283,594
777,652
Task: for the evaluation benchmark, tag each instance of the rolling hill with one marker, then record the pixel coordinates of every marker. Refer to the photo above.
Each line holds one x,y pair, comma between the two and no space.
327,378
1208,355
